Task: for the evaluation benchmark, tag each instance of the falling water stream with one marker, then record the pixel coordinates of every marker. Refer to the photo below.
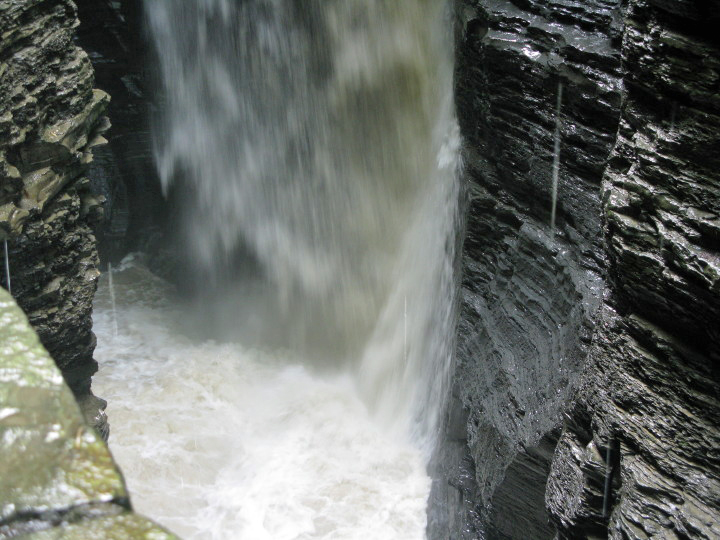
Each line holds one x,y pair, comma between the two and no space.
311,149
7,268
113,303
556,156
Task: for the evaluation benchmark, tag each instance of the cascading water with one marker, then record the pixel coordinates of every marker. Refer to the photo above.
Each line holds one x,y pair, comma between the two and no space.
315,143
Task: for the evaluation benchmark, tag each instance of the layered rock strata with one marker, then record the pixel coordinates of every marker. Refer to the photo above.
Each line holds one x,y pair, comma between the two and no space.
57,478
528,74
630,381
651,390
50,119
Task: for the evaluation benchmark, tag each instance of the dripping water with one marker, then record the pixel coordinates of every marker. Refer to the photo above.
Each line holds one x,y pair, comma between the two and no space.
113,304
608,477
7,267
311,149
673,115
556,157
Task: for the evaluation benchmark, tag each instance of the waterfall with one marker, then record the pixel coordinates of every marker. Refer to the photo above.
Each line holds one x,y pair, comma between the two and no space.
311,147
318,137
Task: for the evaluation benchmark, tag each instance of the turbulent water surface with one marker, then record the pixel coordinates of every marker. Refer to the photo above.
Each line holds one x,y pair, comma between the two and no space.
219,441
309,150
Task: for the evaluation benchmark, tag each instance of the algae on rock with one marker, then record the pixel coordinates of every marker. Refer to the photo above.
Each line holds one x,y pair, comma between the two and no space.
55,469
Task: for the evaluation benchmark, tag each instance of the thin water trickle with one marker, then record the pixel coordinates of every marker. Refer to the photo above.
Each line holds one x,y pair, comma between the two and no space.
556,157
608,477
7,267
673,116
111,288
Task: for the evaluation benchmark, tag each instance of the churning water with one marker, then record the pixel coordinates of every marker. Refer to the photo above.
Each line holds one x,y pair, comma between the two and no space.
311,147
220,441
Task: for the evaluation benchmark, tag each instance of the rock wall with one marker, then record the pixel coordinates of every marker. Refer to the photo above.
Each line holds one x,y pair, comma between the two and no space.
530,294
603,334
57,478
651,388
50,119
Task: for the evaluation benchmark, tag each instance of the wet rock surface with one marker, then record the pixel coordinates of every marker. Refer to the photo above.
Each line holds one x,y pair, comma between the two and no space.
530,294
627,379
651,385
57,477
50,120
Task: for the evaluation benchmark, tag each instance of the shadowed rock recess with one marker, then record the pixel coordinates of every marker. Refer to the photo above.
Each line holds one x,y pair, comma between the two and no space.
605,335
124,169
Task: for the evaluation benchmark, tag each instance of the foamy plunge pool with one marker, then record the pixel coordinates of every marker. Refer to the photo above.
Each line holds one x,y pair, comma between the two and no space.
219,441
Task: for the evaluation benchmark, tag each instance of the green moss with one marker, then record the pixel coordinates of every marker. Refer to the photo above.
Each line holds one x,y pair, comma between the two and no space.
52,463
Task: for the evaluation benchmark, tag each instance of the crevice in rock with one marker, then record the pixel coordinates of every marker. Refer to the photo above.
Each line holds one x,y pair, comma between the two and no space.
35,522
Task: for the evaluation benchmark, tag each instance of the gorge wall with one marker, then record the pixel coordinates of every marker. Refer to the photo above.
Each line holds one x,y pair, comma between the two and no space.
603,334
50,119
530,295
57,477
650,390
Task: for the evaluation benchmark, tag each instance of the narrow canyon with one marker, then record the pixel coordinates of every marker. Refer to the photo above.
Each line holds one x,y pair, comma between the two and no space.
351,269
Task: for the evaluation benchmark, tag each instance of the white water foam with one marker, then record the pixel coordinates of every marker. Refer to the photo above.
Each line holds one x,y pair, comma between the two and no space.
217,441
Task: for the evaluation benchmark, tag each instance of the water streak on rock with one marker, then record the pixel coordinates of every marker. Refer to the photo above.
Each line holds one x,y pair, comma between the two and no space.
113,304
556,157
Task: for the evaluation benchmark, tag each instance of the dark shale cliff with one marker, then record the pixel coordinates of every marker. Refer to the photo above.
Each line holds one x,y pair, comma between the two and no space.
50,119
605,333
651,386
